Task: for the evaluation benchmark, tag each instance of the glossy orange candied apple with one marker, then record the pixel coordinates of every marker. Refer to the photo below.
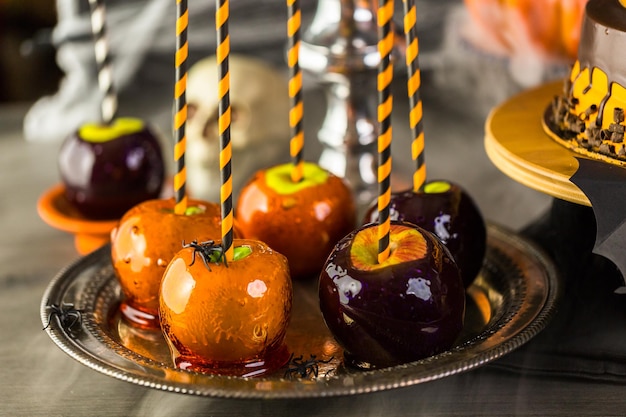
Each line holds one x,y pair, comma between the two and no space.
228,318
302,220
144,242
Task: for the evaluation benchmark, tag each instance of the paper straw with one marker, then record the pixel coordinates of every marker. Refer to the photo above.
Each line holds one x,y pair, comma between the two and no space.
385,104
103,61
223,89
180,118
415,103
296,112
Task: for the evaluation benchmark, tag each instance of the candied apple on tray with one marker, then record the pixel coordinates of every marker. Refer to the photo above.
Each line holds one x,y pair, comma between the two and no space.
302,220
227,317
144,242
448,211
406,308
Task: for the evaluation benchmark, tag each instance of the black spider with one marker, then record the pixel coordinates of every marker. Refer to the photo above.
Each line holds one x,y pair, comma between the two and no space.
303,369
209,252
68,316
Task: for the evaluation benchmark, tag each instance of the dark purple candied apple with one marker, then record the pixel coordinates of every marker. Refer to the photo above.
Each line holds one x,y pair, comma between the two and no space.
445,209
107,169
406,308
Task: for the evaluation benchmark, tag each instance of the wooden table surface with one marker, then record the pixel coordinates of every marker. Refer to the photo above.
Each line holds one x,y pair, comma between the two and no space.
38,379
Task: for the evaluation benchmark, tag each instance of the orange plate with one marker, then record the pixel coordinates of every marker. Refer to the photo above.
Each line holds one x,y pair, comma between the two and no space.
56,211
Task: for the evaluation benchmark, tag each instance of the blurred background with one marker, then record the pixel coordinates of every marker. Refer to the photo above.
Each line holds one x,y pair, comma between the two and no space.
47,47
28,68
474,54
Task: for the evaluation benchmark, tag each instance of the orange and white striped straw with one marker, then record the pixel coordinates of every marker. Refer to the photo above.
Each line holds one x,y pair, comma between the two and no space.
385,105
224,120
180,117
296,145
415,102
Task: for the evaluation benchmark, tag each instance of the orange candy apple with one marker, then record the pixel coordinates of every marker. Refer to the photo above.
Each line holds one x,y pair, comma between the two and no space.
144,242
228,318
302,220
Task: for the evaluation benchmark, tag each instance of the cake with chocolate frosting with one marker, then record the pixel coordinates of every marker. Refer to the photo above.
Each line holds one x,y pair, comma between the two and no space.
588,116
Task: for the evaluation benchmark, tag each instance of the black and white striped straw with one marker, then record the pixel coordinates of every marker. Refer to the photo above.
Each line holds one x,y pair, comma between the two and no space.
109,104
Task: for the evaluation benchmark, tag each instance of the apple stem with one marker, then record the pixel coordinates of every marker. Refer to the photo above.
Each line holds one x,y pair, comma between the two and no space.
385,104
296,112
415,103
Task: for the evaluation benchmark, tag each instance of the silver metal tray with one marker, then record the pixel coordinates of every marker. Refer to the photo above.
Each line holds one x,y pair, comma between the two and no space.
510,302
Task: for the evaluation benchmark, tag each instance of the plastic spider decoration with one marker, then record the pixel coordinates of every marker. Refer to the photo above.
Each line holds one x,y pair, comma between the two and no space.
209,252
303,368
68,316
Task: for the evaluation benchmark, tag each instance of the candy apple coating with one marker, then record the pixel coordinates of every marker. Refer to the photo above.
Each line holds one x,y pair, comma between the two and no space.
406,308
229,317
144,242
302,220
107,169
445,209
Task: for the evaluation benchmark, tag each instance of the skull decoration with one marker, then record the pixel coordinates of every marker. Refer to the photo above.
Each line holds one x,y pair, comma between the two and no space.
259,100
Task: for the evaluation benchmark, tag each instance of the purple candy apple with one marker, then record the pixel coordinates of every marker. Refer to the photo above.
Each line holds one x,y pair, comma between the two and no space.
406,308
445,209
107,169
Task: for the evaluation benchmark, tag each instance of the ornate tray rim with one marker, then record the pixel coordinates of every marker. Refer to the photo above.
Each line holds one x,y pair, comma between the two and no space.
517,326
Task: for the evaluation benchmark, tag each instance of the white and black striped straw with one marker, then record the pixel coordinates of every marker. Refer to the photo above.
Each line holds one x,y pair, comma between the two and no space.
109,103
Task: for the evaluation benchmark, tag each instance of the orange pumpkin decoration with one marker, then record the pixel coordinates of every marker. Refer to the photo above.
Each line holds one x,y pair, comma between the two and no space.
550,27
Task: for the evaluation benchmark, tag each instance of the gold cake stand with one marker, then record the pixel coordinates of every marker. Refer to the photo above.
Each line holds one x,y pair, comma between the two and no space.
519,147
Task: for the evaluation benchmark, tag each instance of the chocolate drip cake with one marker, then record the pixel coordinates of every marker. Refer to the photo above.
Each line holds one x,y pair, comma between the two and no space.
588,116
